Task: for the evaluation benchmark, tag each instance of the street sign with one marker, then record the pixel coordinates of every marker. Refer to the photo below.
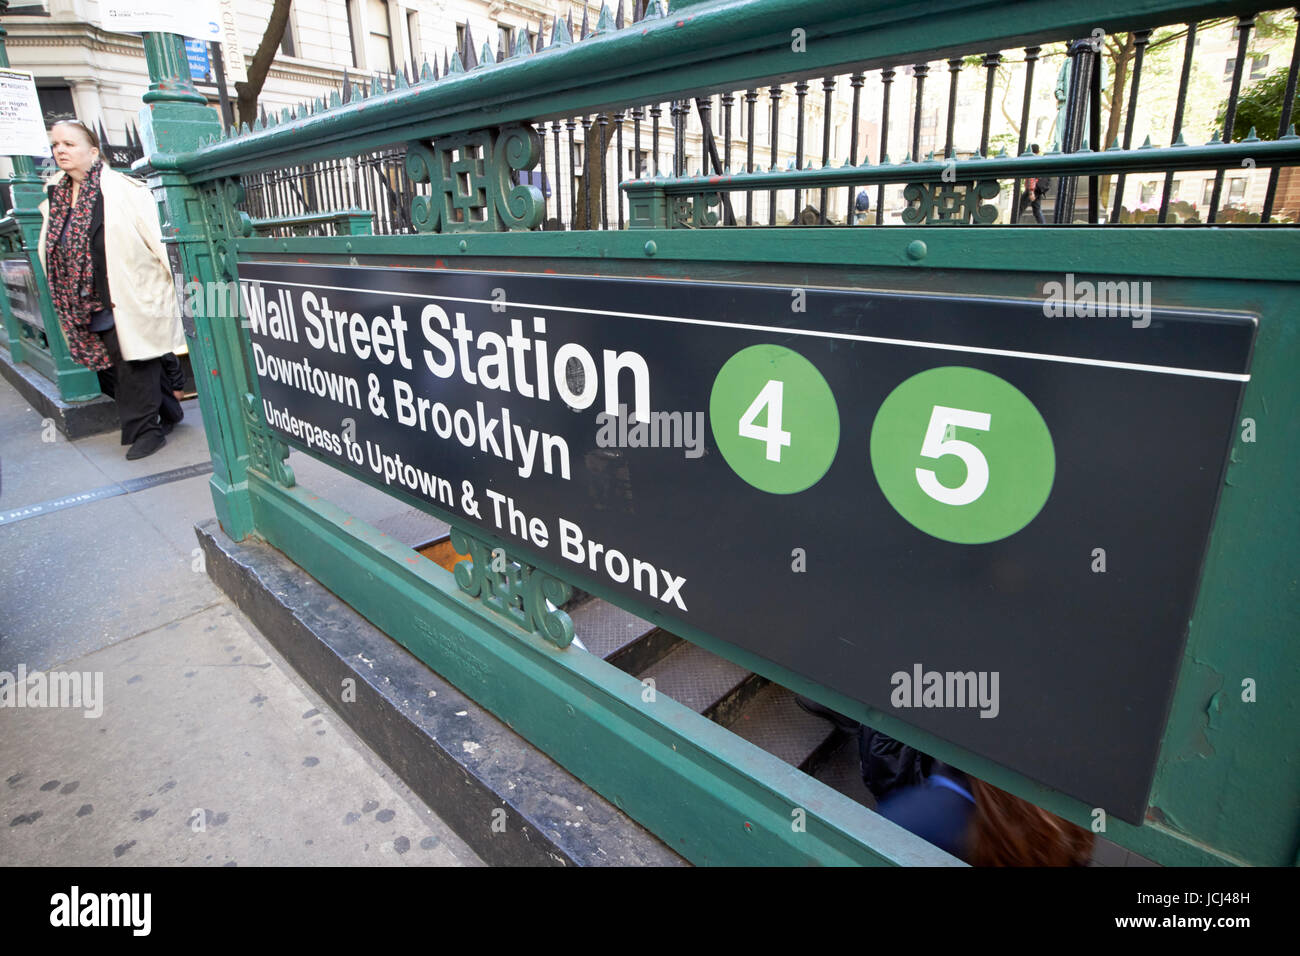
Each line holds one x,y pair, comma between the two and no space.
985,517
196,51
195,18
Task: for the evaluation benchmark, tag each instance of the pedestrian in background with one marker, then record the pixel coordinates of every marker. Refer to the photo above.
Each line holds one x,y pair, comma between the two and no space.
1035,190
108,274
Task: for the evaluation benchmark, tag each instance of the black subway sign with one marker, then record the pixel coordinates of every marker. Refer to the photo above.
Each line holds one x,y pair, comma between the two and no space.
984,516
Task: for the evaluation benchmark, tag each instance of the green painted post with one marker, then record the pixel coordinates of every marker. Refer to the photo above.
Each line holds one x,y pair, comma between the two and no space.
197,226
75,382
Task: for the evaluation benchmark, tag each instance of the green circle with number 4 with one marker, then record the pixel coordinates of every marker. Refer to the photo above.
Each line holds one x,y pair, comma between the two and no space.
962,455
774,419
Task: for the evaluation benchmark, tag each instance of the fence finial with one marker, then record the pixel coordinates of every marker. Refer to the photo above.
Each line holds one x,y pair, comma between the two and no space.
468,59
586,21
605,22
560,33
618,17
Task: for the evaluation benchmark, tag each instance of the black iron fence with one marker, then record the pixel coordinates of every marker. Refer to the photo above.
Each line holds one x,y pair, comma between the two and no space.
857,118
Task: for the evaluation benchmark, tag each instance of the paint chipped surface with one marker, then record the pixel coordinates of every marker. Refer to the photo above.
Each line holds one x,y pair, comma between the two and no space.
469,746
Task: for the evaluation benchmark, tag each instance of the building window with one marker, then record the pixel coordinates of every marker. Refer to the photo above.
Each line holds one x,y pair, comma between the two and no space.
1173,190
460,38
289,42
56,104
1258,65
505,39
354,30
1207,194
379,41
1237,189
1229,65
413,33
1148,191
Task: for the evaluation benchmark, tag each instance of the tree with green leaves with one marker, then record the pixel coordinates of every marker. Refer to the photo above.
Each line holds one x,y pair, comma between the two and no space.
1258,108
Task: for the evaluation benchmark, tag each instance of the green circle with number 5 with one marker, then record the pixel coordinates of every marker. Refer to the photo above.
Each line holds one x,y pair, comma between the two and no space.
774,419
962,455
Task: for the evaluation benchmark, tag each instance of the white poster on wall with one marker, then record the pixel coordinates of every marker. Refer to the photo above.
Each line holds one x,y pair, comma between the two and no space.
22,126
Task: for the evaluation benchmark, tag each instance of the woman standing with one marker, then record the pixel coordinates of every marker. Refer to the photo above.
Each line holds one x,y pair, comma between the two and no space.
102,252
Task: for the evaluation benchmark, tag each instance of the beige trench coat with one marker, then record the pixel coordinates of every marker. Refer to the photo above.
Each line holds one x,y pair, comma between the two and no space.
139,276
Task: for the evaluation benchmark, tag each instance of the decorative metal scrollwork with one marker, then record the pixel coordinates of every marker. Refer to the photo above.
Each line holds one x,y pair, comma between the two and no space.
266,452
471,178
694,211
524,595
950,204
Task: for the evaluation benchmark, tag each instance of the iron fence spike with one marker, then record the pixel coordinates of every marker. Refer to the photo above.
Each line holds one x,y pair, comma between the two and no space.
1214,140
335,99
605,22
1251,137
522,47
561,35
618,17
485,58
1290,132
347,87
539,41
468,60
1147,144
456,65
1114,144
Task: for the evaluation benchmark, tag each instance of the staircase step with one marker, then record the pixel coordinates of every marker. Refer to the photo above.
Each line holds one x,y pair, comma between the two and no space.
773,721
708,684
628,642
842,771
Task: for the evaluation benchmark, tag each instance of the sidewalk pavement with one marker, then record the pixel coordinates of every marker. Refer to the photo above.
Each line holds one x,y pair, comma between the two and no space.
207,749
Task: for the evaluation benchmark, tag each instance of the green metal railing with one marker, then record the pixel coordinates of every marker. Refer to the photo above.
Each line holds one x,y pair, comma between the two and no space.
1224,791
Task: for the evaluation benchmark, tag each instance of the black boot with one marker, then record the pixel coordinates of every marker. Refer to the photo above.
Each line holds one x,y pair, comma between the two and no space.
146,445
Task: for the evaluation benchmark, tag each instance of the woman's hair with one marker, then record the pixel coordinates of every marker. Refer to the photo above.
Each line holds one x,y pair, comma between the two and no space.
90,133
1008,831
